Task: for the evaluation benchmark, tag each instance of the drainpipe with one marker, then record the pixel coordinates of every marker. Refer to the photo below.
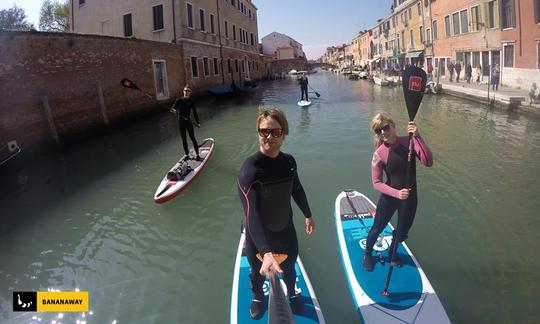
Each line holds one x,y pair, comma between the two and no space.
220,44
72,17
174,22
520,34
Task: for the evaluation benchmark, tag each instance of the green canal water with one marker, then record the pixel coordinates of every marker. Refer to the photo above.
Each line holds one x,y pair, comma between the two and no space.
83,217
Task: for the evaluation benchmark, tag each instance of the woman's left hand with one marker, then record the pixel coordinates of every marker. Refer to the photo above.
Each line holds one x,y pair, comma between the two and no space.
411,128
310,225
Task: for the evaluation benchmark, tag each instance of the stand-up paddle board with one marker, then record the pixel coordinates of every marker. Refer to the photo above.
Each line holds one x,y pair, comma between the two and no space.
241,293
183,172
412,298
304,103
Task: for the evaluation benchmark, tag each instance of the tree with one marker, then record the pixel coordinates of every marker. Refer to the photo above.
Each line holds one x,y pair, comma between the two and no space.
14,18
54,16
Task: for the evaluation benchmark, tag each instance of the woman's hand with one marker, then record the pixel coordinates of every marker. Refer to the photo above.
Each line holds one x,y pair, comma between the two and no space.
411,128
310,225
403,194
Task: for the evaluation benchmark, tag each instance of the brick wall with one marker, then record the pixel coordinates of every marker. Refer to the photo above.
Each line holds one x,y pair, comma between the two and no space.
57,85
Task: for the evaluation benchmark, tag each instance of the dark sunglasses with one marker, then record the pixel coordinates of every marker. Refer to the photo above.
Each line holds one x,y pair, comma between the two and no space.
385,128
276,132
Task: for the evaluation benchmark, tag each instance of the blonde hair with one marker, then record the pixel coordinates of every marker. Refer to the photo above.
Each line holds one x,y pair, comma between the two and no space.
376,122
277,115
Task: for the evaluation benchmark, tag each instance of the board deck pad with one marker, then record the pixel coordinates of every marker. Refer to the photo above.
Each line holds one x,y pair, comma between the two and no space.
241,294
412,299
169,189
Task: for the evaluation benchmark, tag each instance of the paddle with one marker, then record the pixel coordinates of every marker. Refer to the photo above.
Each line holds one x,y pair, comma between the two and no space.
316,93
279,311
414,83
381,259
127,83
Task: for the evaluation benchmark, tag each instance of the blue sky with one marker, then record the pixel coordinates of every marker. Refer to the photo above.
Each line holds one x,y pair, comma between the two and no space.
314,23
317,24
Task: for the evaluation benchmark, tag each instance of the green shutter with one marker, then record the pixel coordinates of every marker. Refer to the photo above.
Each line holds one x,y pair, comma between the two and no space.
496,13
487,22
474,23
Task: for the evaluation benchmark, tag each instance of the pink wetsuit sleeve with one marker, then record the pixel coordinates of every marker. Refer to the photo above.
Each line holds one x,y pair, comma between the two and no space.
422,151
377,164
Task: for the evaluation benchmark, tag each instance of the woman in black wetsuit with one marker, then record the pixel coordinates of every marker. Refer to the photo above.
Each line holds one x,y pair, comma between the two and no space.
266,182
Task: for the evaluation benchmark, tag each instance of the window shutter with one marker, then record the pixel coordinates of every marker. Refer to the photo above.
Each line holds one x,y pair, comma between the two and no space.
496,23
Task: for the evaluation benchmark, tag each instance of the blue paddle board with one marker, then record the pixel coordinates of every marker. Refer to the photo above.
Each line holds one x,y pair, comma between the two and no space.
241,293
412,299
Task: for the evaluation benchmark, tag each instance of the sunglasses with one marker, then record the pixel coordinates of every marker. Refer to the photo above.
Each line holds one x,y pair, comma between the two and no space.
385,128
276,132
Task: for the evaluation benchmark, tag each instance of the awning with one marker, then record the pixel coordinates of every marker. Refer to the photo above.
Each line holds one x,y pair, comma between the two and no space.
414,54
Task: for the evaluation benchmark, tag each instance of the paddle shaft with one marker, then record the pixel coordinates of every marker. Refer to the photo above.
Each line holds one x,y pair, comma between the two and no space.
316,93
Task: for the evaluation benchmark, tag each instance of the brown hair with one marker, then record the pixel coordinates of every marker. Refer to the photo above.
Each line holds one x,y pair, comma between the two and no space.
376,122
277,115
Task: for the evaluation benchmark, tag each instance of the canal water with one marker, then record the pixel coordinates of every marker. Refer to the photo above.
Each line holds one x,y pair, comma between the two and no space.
83,217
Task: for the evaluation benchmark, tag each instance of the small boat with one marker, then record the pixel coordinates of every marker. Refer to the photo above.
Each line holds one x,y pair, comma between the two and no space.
9,151
380,80
363,75
247,87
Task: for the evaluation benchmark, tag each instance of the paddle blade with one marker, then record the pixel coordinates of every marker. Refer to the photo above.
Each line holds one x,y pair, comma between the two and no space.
279,311
127,83
317,94
414,83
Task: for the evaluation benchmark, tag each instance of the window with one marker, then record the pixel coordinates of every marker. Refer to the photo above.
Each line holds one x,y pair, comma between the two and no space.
234,31
421,34
205,66
455,23
252,40
419,7
508,15
212,27
464,21
233,2
434,30
537,11
492,13
447,26
226,29
475,59
508,55
81,2
216,66
410,13
128,30
158,17
160,79
412,39
236,65
189,8
201,19
194,69
538,55
229,66
428,35
475,18
243,66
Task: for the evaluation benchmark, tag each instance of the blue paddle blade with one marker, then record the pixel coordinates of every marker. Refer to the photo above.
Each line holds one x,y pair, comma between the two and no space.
279,311
414,82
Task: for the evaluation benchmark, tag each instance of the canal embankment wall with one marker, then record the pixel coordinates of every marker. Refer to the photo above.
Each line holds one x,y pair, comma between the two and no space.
57,86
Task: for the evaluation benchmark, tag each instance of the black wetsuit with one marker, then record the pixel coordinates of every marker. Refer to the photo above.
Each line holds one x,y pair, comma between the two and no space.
184,107
265,186
303,87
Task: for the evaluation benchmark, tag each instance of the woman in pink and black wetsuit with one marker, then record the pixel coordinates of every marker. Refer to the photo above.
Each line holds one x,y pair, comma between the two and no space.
390,157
